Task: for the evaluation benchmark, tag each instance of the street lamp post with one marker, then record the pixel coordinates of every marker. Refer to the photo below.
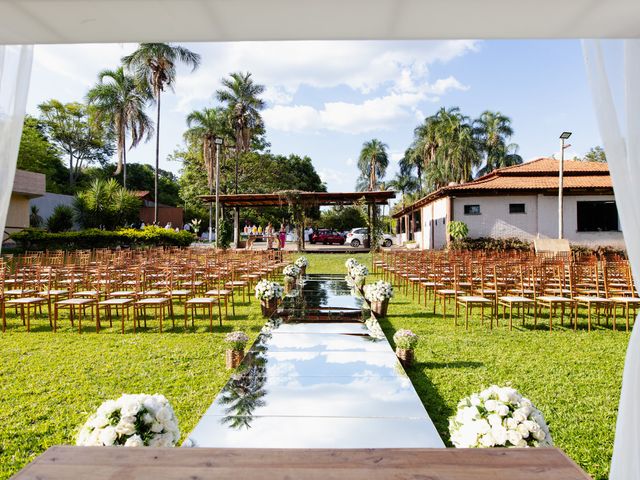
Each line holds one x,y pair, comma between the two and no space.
563,137
218,142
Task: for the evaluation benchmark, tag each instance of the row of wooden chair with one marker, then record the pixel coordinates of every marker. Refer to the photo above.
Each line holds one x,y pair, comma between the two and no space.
150,283
514,280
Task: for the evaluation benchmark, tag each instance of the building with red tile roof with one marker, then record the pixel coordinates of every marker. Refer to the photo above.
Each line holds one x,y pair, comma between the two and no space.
520,201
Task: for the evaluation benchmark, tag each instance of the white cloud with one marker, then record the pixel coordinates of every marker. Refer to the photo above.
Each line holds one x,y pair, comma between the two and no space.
374,114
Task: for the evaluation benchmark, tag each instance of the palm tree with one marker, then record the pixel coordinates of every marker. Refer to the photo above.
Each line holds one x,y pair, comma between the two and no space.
404,183
413,159
493,130
373,162
204,127
242,97
156,64
120,99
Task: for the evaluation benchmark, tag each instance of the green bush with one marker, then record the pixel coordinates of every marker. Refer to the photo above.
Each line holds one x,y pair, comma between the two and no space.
492,244
61,220
30,239
457,230
107,204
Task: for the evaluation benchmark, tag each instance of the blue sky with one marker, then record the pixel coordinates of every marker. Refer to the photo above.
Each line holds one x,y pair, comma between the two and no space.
324,99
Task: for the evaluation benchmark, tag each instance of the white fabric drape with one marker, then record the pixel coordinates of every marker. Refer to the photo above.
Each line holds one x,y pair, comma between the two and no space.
620,130
15,74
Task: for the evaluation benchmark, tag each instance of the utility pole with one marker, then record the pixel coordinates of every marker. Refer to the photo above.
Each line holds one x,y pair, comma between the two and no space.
563,137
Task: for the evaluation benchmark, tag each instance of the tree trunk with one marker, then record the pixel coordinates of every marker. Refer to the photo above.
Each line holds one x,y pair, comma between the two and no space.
124,163
155,178
71,176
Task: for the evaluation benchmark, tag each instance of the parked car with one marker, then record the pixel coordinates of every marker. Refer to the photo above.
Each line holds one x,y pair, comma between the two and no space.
326,236
357,236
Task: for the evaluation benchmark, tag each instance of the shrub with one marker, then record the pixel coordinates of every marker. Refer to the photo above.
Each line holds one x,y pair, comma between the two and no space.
457,230
30,239
35,220
61,220
107,204
491,244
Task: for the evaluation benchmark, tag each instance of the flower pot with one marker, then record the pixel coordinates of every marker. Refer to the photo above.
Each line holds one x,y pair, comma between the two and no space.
233,358
379,309
289,283
405,355
269,306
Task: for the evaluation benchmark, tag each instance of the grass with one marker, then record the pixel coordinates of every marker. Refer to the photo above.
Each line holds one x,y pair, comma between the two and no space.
573,377
51,383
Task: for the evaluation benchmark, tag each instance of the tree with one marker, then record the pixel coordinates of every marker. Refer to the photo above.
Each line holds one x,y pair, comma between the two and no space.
342,218
61,220
596,154
204,127
155,63
120,101
413,159
373,163
81,138
37,154
403,183
493,131
242,98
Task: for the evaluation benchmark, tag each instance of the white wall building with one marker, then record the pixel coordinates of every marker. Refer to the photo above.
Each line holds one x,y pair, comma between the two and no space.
520,202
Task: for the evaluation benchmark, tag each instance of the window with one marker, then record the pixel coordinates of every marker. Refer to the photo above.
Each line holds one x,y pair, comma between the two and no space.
472,209
517,208
601,216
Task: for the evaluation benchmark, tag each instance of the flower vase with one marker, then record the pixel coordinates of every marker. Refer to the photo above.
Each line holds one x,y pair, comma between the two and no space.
379,308
233,358
289,284
405,355
269,306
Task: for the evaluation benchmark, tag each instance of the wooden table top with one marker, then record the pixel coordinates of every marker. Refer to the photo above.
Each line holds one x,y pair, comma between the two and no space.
98,463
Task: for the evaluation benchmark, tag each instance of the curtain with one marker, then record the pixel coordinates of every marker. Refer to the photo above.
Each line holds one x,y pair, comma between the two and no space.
15,74
618,112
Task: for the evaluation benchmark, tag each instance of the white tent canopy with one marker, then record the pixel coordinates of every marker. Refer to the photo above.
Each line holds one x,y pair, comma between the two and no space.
90,21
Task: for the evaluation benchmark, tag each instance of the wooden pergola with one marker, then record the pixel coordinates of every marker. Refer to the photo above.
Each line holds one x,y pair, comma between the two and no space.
301,200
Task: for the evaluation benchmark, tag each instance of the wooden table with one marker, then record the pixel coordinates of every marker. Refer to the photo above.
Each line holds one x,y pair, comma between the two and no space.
101,463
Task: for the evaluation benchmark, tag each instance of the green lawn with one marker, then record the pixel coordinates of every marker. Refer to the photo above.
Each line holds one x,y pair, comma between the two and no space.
51,383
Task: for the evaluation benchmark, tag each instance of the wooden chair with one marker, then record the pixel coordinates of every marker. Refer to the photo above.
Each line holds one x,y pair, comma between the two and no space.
510,301
206,303
620,290
551,276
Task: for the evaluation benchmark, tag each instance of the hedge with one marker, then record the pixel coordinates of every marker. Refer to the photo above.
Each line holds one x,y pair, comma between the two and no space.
32,239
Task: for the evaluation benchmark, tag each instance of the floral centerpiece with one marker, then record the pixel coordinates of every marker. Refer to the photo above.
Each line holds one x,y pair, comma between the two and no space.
498,417
291,273
268,293
357,273
237,341
302,263
378,295
405,341
132,421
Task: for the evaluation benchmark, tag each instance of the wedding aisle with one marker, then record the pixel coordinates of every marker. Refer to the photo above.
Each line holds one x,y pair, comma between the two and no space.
318,377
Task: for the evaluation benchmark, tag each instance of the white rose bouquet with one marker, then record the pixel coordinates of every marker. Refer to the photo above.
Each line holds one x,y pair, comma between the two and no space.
266,290
291,271
302,262
359,271
405,339
351,262
378,292
236,340
498,417
132,421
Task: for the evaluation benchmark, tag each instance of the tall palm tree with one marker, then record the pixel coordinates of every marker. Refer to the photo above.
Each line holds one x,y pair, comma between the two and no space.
120,100
242,98
373,162
204,127
493,130
156,64
413,159
404,183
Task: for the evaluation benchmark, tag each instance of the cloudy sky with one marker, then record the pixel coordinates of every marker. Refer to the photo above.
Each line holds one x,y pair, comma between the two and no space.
324,99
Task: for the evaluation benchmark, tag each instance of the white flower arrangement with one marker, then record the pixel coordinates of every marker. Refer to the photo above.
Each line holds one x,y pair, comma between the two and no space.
291,271
236,340
351,262
132,421
359,271
378,292
266,290
405,339
498,417
302,262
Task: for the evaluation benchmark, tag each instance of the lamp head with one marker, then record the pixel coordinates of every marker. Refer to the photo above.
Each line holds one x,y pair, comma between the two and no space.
565,135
